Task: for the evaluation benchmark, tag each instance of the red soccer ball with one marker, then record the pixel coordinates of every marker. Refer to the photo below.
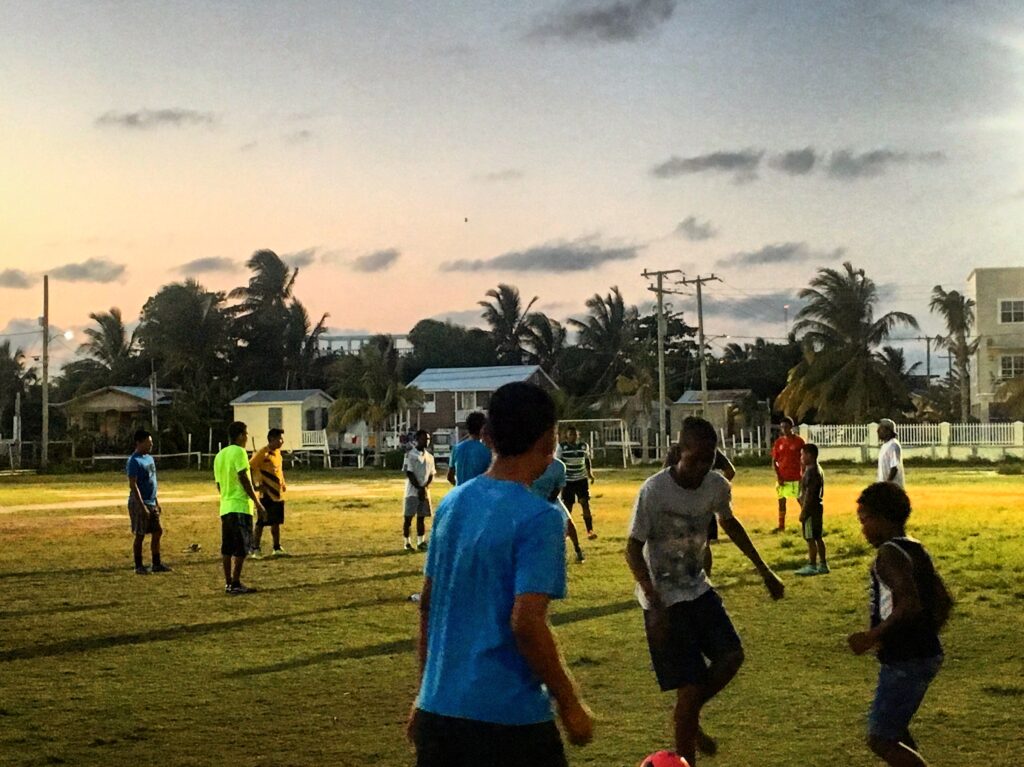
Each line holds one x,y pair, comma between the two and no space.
664,759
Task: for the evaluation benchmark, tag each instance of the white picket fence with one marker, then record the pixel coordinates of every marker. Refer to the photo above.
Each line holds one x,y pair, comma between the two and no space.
917,434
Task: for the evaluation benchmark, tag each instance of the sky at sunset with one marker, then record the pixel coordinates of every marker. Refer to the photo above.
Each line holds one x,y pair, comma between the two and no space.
408,156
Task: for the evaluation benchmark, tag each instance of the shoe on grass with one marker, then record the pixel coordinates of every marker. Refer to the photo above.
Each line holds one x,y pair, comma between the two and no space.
705,743
421,546
591,535
824,569
161,568
255,554
142,570
580,558
239,588
807,570
280,553
408,548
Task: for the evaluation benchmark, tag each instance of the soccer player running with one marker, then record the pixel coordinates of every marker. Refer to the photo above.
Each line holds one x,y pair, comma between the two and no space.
786,460
724,467
470,457
267,469
489,662
579,474
143,507
909,605
548,486
237,501
890,454
684,617
419,473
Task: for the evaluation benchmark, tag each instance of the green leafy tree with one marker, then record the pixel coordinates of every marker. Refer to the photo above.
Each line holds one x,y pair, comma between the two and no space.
609,334
957,311
509,322
546,343
438,344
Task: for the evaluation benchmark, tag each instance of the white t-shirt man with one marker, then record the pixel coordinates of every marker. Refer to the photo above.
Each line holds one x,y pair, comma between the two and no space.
890,456
421,464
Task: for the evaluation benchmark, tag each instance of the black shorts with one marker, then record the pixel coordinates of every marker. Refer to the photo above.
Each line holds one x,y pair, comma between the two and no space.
713,528
235,534
145,520
697,632
812,525
444,741
578,489
273,512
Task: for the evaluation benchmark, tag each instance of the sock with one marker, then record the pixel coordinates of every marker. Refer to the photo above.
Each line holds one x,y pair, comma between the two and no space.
419,539
407,541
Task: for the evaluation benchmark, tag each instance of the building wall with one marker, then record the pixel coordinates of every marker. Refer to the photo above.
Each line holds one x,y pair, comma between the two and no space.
443,416
257,418
988,287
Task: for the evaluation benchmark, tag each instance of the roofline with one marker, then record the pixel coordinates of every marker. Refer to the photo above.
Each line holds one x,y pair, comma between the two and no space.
281,401
161,393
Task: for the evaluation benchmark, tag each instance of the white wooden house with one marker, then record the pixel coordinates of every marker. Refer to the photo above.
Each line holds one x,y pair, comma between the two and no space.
301,413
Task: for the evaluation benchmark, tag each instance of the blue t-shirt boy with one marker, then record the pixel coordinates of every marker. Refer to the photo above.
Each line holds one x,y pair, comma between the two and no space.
493,540
143,468
471,458
550,482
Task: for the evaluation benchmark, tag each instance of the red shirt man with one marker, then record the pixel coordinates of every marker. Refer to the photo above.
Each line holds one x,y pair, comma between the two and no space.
786,460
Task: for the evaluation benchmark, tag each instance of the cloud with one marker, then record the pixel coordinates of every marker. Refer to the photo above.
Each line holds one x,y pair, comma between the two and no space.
509,174
146,119
298,137
378,261
300,257
778,253
576,256
796,162
743,164
763,307
846,165
695,231
15,278
615,21
211,264
472,318
92,270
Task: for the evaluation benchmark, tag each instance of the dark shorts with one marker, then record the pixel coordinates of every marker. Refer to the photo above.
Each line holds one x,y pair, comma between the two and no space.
416,507
235,534
443,741
273,512
145,520
578,489
812,525
697,632
713,528
901,688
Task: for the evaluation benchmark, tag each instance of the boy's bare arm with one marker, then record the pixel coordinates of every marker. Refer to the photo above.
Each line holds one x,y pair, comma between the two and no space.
641,574
133,483
894,568
451,475
537,644
738,535
243,477
424,621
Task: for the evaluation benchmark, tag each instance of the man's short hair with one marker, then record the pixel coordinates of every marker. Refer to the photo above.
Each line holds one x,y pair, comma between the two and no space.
475,422
887,423
697,431
886,500
236,429
811,449
274,434
141,436
422,432
518,415
786,420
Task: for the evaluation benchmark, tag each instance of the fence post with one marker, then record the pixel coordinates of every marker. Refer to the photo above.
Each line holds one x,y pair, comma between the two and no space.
1018,434
803,429
870,441
946,438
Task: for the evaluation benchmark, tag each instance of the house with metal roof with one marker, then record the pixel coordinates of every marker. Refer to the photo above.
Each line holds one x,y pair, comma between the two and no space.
302,414
729,410
454,393
114,412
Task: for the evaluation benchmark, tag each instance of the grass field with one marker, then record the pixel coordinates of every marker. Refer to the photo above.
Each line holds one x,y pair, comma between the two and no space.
102,667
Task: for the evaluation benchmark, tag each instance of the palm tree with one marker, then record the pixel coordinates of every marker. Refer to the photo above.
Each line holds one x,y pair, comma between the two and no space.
545,342
640,391
110,344
301,345
958,313
12,379
609,332
508,321
841,376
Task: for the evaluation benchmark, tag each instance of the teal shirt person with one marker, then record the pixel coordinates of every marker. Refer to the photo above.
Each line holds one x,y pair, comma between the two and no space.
550,482
470,458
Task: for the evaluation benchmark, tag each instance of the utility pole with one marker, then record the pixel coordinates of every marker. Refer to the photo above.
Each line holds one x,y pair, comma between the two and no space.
699,282
927,355
659,289
44,446
785,311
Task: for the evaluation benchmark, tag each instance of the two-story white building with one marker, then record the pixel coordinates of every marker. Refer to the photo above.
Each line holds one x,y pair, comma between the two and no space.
999,328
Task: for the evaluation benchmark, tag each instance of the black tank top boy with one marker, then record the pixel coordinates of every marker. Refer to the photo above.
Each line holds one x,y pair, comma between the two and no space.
918,636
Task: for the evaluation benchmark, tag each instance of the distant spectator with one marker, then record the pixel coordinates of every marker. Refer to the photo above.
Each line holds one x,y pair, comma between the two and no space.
470,457
786,460
419,473
143,505
890,455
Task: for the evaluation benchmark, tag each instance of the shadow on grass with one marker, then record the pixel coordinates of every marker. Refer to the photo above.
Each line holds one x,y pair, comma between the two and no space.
397,646
56,610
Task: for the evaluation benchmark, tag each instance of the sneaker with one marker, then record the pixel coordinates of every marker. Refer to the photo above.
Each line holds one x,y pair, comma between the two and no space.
421,546
408,548
580,558
238,588
591,535
161,568
807,570
227,588
255,554
705,743
824,569
142,570
279,553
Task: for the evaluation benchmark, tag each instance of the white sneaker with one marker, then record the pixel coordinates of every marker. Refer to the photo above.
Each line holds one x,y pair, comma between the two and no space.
255,554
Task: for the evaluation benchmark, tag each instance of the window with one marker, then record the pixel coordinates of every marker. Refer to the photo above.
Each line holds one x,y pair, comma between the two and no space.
483,400
466,400
1011,310
430,402
1012,366
275,418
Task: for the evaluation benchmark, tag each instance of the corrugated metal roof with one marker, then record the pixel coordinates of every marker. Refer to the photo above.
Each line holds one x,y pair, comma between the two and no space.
473,379
163,396
692,396
283,396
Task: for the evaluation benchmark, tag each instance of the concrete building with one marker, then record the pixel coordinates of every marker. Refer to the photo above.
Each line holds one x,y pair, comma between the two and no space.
729,410
302,413
998,295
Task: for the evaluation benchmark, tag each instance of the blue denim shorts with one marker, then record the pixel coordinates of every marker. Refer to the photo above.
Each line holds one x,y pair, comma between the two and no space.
901,688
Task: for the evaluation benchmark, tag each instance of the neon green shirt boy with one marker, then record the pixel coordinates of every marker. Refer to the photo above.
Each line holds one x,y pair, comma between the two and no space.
226,467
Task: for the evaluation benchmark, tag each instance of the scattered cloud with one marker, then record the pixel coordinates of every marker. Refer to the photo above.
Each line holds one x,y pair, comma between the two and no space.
742,164
300,257
509,174
578,255
337,256
778,253
610,21
92,270
378,261
472,318
15,278
146,119
210,264
298,137
845,164
796,162
695,231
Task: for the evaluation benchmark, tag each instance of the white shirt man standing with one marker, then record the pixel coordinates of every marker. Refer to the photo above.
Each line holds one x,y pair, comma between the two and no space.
890,455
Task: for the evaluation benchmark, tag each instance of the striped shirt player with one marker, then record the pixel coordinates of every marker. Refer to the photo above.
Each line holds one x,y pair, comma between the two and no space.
579,473
267,469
